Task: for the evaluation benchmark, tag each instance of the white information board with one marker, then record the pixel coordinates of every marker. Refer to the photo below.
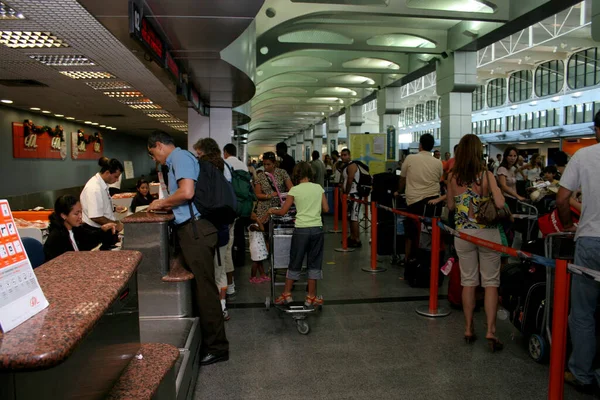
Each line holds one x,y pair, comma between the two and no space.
20,294
128,165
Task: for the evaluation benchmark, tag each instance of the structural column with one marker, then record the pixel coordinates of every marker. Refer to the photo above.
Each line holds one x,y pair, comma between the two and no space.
299,146
332,127
319,132
308,142
354,121
456,80
388,109
291,142
217,126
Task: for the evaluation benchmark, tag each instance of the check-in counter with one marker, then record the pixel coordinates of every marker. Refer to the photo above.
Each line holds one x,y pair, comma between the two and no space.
79,346
165,294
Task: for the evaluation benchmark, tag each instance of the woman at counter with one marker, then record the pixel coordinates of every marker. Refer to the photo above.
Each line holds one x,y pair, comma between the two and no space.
65,229
143,196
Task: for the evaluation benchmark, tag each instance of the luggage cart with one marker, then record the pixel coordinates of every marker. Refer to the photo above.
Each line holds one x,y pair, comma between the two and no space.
557,246
281,230
529,213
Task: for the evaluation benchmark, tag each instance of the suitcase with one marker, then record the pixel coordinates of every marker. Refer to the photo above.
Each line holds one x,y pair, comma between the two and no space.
384,186
417,271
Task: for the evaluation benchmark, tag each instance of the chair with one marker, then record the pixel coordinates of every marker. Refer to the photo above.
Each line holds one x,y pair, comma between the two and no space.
35,251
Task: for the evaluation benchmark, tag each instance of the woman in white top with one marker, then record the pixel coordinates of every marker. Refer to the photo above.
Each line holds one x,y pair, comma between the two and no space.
66,233
533,169
507,179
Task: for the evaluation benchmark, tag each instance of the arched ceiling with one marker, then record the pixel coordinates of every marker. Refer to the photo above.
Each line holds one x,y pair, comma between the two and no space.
316,57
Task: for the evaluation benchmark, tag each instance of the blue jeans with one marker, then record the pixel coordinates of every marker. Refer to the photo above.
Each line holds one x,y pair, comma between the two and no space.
584,298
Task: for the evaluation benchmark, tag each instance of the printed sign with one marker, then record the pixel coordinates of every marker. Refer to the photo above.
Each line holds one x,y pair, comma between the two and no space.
20,294
128,165
391,143
31,141
86,147
368,149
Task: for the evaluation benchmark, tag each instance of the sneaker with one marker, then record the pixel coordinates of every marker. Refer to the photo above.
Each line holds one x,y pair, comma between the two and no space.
231,289
587,388
226,316
255,279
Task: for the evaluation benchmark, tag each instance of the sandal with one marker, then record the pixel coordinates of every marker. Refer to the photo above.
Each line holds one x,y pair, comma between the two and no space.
495,344
255,279
312,302
284,299
470,339
265,278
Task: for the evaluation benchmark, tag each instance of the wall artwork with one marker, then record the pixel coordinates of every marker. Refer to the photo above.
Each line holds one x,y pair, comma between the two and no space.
44,142
86,147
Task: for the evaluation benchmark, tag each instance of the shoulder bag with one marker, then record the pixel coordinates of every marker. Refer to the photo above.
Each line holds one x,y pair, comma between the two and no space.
488,213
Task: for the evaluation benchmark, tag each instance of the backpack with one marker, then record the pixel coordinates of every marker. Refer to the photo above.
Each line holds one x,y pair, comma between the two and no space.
214,197
365,180
244,192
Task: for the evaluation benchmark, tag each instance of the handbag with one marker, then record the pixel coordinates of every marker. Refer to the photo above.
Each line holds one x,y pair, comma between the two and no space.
488,213
273,182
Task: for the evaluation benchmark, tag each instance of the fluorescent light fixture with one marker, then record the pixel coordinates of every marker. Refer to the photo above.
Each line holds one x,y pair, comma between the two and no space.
24,40
514,107
59,115
7,101
62,60
102,126
521,143
533,103
136,101
87,122
88,75
555,141
540,142
35,108
129,94
576,95
46,112
556,98
95,123
7,12
111,85
484,113
145,106
70,118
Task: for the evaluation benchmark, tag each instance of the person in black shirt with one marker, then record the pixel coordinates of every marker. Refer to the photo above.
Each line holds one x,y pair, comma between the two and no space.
66,233
143,197
287,162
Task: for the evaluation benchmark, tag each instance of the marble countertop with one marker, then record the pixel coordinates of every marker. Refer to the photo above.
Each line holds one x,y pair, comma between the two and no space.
80,287
144,217
143,375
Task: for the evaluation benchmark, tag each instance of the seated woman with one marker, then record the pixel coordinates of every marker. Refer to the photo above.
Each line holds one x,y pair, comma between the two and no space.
143,196
65,233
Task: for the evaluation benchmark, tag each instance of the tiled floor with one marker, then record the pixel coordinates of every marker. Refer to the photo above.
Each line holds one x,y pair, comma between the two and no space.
366,349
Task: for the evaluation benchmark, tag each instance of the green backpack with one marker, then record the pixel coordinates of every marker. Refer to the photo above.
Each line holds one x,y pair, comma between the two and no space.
244,192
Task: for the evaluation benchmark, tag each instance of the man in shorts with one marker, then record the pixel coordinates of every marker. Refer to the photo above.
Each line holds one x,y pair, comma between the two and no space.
350,176
420,179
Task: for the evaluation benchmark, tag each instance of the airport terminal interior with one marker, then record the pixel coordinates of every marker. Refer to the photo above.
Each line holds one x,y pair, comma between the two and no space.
86,79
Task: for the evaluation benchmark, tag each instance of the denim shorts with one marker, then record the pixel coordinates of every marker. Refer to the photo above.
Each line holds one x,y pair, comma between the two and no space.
306,242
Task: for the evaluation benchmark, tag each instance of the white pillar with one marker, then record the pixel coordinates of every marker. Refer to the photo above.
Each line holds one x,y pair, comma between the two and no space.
354,121
319,132
217,126
332,127
299,146
388,109
198,127
308,144
456,80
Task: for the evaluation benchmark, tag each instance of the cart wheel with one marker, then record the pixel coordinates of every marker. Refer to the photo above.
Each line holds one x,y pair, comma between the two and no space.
302,326
538,348
268,303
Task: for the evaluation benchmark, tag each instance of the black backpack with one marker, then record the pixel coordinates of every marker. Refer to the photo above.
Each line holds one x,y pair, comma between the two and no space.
365,180
214,197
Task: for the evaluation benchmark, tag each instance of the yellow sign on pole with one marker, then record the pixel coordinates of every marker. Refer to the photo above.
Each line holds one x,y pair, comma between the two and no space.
370,149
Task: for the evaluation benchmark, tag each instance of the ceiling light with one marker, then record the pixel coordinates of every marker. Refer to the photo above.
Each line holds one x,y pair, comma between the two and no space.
514,107
102,126
59,115
23,40
7,12
136,101
555,141
35,108
62,60
87,122
87,75
145,106
70,118
134,93
46,112
533,103
576,95
7,101
521,143
158,114
114,85
95,123
540,142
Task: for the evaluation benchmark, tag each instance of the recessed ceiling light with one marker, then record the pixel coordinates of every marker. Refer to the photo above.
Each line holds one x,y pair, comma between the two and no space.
7,12
576,95
70,118
134,93
102,126
555,141
59,115
147,106
514,107
114,85
556,98
136,101
46,112
87,122
7,101
88,75
35,108
158,114
540,142
62,60
94,123
23,40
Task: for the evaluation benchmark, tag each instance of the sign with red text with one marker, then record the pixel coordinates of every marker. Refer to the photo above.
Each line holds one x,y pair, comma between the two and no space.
20,294
38,143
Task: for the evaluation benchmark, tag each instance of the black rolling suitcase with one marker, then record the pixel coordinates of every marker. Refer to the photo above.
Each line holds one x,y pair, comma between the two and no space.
417,272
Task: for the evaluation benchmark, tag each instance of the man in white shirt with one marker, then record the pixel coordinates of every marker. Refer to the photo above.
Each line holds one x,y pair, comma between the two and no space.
237,239
350,176
582,172
420,176
96,202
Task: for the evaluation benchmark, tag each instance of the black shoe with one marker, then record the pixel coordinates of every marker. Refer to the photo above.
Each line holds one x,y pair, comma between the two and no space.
214,358
587,388
355,245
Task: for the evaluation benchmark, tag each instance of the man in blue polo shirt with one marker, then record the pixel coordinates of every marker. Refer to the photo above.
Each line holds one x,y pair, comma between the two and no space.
198,250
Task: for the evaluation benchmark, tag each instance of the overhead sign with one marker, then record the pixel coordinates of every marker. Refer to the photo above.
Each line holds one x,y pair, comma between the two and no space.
172,66
20,294
142,29
391,142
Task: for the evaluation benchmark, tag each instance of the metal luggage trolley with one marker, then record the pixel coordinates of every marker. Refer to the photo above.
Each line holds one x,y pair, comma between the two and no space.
281,230
530,213
557,246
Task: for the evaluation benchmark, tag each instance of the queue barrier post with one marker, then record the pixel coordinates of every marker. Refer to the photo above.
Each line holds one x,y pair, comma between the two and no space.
374,268
344,248
432,310
558,350
336,210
